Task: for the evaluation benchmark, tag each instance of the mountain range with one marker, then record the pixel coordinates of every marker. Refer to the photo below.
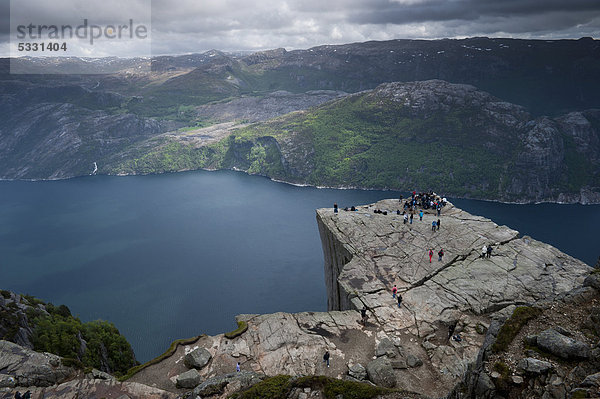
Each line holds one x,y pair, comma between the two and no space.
500,119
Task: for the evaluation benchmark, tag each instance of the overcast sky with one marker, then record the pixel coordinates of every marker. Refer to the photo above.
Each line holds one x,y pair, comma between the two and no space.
188,26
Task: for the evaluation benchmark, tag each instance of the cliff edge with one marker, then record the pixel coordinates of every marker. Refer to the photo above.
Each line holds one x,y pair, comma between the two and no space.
428,345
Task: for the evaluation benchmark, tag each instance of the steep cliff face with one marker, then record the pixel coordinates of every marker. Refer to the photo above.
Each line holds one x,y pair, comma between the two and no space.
336,256
405,346
453,305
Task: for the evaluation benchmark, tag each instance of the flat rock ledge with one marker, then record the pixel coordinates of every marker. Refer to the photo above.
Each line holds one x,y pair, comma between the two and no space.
366,253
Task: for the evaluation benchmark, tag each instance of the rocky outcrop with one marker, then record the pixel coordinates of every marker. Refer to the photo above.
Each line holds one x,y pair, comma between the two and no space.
28,368
440,337
406,347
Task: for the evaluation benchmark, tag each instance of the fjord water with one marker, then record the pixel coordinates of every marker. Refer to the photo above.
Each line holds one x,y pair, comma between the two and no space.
173,256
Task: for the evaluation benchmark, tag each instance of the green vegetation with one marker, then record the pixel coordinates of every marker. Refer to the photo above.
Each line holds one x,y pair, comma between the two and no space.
62,334
96,344
521,315
271,388
368,141
502,383
169,352
242,327
280,386
348,389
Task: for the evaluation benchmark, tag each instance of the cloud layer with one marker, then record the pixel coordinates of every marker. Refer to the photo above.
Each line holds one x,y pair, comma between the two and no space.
188,26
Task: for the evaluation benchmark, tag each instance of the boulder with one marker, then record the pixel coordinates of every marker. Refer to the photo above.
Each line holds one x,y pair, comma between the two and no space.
560,345
197,358
381,373
189,379
534,366
357,371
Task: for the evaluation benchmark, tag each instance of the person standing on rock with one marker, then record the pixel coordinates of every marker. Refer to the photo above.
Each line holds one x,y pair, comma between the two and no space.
441,255
399,300
363,315
421,215
326,358
405,218
489,251
433,225
438,224
484,251
394,291
411,218
430,254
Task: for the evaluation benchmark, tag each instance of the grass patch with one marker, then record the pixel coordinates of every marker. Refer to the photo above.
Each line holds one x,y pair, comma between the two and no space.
348,389
513,325
280,387
271,388
503,382
132,371
242,327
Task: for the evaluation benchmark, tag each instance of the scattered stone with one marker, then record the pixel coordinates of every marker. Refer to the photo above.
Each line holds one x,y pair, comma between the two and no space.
380,372
562,346
386,347
216,385
413,361
358,371
100,375
197,358
428,345
189,379
592,380
517,379
480,329
534,366
399,364
123,397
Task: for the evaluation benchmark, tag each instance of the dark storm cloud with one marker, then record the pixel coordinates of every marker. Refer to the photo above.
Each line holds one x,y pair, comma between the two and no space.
404,12
197,25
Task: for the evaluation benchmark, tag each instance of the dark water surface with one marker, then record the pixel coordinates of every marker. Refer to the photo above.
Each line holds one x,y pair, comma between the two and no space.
173,256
